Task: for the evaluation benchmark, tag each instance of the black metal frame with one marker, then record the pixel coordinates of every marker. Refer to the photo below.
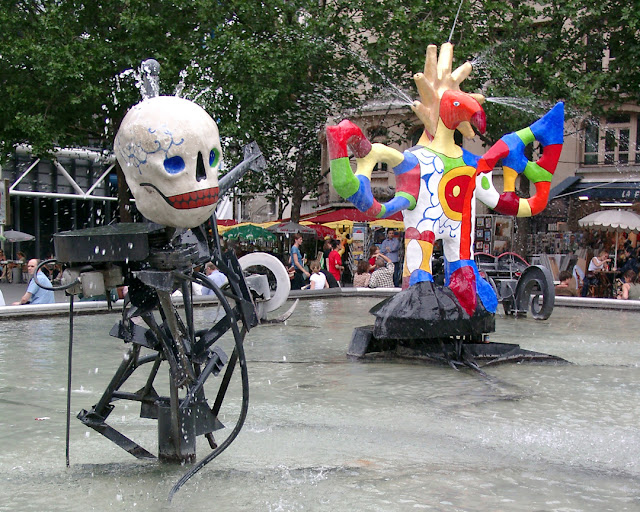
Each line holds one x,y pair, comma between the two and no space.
162,264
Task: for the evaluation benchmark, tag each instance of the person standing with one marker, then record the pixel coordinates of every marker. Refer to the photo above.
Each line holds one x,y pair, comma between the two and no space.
35,294
295,261
390,248
326,250
374,252
335,261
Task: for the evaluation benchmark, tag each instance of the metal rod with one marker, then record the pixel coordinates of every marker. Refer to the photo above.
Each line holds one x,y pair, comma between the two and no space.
71,181
15,184
152,374
100,179
69,375
55,195
187,295
116,381
238,336
174,329
174,404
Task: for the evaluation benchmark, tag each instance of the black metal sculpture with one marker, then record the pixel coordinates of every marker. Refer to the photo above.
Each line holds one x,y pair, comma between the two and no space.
153,262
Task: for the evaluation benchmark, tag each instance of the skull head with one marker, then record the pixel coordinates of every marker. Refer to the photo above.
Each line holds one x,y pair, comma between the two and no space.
169,150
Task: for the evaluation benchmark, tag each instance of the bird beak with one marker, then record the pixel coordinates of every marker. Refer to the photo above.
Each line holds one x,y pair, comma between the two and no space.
479,120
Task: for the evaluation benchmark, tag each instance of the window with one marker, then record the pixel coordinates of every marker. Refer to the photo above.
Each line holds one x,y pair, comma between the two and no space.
591,144
380,167
612,141
378,134
615,48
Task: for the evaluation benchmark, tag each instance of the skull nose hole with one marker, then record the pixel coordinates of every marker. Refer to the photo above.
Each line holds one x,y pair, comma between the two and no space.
201,173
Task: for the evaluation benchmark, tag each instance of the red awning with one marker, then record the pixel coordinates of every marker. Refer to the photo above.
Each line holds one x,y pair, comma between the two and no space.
322,231
346,214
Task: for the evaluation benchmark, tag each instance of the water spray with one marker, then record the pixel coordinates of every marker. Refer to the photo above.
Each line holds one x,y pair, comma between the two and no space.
455,21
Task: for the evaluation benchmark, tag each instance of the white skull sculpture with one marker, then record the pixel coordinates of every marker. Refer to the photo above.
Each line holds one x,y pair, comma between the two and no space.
169,150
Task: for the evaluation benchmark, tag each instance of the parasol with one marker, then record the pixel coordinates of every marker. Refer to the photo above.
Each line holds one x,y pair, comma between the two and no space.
322,231
17,236
291,228
613,220
248,232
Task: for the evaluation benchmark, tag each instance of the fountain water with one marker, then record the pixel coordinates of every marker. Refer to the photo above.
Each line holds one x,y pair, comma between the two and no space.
324,433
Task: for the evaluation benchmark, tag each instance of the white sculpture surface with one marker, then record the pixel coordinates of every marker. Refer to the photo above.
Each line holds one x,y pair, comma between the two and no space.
170,152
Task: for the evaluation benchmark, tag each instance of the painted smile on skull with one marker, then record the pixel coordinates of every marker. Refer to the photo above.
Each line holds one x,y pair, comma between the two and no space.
196,199
170,152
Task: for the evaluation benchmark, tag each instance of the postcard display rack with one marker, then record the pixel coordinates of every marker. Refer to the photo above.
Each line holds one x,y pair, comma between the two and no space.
561,242
494,234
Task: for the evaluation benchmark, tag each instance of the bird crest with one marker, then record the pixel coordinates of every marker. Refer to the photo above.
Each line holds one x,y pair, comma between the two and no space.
437,78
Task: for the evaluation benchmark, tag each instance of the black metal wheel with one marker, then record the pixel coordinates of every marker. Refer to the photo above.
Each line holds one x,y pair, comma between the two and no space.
535,291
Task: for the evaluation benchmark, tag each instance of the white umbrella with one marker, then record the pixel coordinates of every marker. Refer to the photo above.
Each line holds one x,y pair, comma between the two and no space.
613,220
291,228
17,236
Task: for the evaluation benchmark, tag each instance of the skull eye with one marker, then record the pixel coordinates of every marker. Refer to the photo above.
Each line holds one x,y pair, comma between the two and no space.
174,165
214,157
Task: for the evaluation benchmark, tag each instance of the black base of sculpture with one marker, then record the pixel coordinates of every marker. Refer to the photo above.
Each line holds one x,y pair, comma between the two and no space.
425,322
425,311
452,351
155,261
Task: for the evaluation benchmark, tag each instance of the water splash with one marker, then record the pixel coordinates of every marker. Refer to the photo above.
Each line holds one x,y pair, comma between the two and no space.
616,138
389,86
181,83
149,79
528,105
455,21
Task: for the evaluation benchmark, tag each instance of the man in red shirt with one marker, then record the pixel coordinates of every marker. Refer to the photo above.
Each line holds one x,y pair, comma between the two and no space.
335,261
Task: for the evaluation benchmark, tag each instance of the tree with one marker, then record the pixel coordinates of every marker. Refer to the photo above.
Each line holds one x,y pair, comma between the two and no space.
275,71
68,67
278,73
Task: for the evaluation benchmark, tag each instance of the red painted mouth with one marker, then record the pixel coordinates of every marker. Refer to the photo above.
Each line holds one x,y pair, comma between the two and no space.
195,199
189,200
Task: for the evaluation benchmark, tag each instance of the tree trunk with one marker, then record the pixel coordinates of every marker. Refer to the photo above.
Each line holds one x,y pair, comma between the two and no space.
124,195
297,192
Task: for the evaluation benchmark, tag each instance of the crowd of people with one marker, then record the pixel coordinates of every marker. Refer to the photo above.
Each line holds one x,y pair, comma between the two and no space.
383,268
603,277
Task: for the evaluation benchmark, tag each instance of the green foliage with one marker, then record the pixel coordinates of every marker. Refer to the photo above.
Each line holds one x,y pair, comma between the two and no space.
275,71
274,75
62,65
